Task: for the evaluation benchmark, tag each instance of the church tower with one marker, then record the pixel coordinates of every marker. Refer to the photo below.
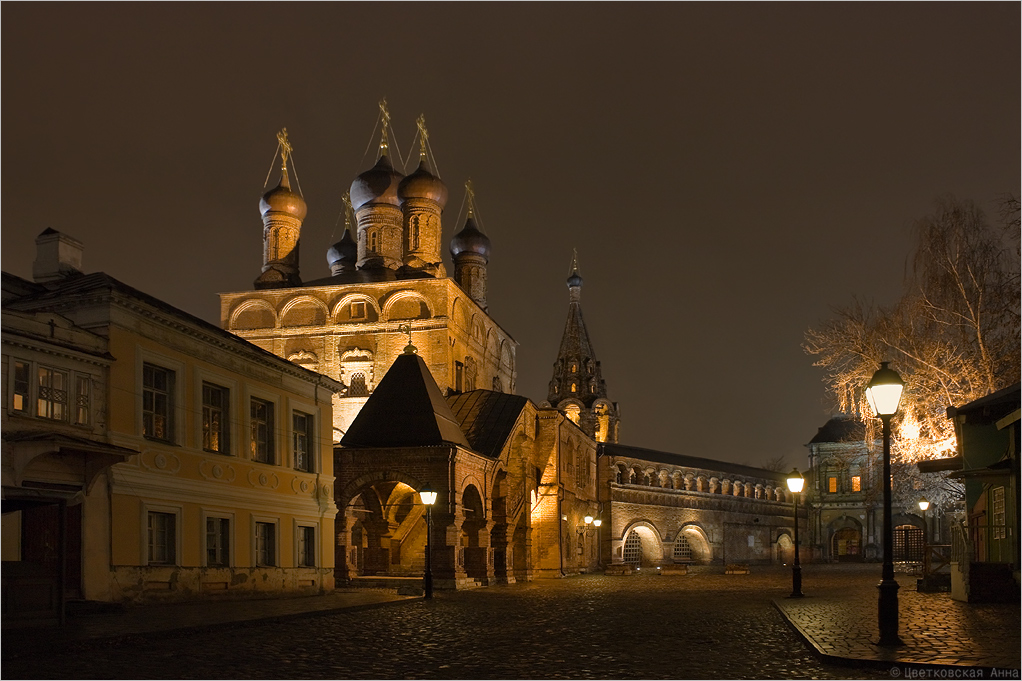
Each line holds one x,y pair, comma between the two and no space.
283,212
423,197
374,198
577,388
470,251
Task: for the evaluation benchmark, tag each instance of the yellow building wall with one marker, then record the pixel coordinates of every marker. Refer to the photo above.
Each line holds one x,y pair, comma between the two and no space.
183,479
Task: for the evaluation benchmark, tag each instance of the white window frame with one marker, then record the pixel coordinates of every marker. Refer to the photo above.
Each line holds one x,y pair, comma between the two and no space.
275,522
175,511
315,441
208,515
299,525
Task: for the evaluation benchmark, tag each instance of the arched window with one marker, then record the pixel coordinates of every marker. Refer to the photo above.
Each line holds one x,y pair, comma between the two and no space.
373,241
574,387
633,549
682,549
357,387
413,232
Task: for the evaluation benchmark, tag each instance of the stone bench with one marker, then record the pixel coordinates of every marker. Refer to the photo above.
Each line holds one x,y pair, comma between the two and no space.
736,569
676,569
619,569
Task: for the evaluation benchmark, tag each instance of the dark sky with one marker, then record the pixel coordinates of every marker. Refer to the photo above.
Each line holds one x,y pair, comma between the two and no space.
727,172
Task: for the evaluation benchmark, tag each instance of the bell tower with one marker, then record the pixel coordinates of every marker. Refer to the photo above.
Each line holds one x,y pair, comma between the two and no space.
577,388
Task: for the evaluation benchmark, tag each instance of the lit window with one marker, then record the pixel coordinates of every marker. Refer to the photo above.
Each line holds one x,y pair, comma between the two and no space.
303,441
306,546
22,371
262,431
832,485
856,483
162,538
218,539
266,544
157,393
83,400
215,431
52,398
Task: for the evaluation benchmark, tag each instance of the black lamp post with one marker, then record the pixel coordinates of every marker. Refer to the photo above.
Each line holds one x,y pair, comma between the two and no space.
795,483
924,504
428,497
884,395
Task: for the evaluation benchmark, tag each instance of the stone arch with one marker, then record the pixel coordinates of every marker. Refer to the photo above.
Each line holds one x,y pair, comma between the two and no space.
844,540
304,310
506,356
478,333
699,543
650,549
473,548
784,549
342,311
253,314
620,473
379,525
406,305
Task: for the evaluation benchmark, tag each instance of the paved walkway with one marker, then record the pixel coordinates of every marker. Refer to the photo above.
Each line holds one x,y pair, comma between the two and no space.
133,621
839,620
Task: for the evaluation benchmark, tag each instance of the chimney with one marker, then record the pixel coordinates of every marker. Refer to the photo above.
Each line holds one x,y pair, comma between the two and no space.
57,256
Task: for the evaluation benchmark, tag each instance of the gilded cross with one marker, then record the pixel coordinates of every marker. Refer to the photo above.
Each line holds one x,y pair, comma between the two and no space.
285,147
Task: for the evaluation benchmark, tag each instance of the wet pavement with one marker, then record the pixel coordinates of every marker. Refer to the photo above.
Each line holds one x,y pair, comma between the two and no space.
702,625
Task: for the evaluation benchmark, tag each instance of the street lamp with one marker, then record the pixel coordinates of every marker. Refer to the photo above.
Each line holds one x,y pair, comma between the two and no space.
428,497
884,394
795,483
924,504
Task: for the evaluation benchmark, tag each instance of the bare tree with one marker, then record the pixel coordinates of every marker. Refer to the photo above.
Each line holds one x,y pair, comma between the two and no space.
953,336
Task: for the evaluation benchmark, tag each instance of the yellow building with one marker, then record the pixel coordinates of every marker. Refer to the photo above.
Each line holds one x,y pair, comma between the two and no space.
197,464
388,282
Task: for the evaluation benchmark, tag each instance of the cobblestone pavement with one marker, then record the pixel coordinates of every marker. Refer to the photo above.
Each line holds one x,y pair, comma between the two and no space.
840,620
701,625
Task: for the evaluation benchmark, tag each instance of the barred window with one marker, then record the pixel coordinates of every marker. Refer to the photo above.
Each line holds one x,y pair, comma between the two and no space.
682,549
357,387
52,399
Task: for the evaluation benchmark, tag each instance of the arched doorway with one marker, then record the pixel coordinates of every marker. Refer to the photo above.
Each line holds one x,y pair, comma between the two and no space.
784,550
387,531
473,553
642,547
846,545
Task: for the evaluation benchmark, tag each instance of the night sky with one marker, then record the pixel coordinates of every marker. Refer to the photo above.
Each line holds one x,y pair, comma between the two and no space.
727,172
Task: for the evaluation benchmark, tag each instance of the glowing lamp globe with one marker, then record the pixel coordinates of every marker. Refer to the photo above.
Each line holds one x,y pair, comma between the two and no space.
588,519
427,495
597,522
795,481
924,504
884,391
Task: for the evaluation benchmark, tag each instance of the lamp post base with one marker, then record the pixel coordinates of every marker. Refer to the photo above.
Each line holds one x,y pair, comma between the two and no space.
887,613
796,582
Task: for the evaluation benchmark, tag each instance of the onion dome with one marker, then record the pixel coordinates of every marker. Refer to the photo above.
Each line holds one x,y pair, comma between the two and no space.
377,185
423,184
470,240
343,253
281,199
575,279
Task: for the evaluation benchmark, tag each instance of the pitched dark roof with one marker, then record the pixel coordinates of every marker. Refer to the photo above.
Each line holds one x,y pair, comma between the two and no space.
991,407
407,409
487,418
841,428
655,456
